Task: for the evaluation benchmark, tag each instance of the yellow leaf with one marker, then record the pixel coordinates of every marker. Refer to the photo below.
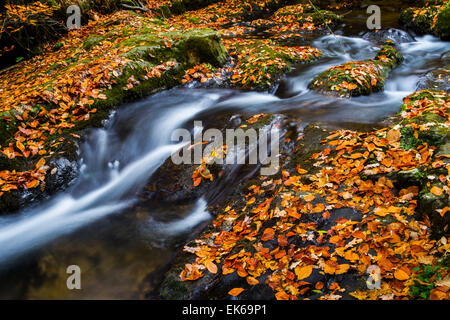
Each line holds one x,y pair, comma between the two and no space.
342,268
303,272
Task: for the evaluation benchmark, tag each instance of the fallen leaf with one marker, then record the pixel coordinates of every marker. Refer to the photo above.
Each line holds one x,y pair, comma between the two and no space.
303,272
235,292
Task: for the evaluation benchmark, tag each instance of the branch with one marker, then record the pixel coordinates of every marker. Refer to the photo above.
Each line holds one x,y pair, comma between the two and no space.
140,6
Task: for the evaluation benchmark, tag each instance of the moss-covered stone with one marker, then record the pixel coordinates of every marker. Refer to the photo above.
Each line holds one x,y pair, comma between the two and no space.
168,53
442,26
433,18
357,78
272,62
430,204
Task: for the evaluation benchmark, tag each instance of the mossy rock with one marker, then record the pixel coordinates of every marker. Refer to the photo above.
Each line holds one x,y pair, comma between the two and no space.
272,63
356,78
304,13
442,26
147,50
432,19
429,204
325,18
181,6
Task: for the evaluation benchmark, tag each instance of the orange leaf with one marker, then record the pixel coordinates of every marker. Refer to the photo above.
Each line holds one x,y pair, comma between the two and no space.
342,268
282,240
32,184
197,181
268,234
281,295
40,163
252,281
235,292
303,272
211,266
436,191
401,275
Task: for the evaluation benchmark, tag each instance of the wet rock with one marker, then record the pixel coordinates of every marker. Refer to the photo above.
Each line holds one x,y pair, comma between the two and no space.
431,205
357,78
438,78
435,79
174,182
62,170
395,35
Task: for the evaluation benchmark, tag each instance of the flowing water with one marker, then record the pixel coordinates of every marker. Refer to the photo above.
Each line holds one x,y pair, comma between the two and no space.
121,251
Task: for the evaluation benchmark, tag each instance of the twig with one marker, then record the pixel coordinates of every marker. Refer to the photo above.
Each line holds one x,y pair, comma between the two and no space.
326,24
140,6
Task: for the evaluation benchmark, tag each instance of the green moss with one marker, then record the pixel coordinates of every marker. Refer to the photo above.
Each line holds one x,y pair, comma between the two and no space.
406,15
390,52
173,288
92,41
407,139
421,20
436,135
425,278
442,27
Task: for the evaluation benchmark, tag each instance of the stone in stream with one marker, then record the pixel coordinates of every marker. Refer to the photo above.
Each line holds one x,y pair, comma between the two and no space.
437,78
356,78
431,19
272,62
395,35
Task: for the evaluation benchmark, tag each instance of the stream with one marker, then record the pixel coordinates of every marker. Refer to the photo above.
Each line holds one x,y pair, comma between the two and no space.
118,249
